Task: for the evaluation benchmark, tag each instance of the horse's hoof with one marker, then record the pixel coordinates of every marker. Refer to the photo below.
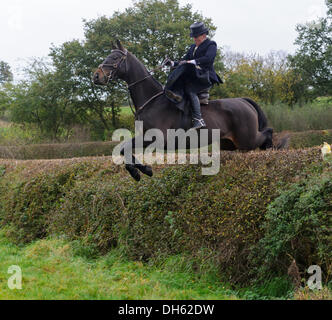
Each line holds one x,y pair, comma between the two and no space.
133,172
137,177
148,171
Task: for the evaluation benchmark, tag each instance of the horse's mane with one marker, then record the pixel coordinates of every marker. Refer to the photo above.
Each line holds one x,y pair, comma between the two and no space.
149,72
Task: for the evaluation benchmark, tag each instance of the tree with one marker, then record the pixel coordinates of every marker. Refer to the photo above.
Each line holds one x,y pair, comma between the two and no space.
6,77
43,100
329,6
313,59
60,93
151,29
4,98
268,79
75,64
5,73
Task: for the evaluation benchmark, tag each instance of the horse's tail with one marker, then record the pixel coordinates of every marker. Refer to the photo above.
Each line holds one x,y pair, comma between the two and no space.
262,120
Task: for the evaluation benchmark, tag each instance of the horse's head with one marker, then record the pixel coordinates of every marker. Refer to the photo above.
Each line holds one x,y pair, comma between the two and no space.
114,66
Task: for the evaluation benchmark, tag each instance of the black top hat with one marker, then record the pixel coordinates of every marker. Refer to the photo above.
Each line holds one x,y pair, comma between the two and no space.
197,29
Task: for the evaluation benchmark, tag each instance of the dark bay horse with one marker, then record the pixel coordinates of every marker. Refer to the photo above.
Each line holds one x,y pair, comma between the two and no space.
242,123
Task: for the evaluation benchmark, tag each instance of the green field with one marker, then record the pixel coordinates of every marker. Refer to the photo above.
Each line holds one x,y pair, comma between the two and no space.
56,269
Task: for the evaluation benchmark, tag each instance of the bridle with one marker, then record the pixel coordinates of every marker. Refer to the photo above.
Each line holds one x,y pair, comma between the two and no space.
113,76
115,66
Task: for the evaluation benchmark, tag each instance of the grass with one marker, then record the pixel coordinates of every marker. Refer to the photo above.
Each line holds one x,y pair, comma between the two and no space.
15,134
4,124
126,111
56,269
312,116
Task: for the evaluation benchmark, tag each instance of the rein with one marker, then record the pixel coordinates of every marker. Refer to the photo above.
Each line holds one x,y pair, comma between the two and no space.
113,73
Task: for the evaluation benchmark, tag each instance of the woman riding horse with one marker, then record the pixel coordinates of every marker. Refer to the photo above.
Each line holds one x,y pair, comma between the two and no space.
240,122
194,72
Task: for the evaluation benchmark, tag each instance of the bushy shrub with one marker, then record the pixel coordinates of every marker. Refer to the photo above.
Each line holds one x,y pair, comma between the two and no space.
92,211
298,227
27,204
178,211
307,139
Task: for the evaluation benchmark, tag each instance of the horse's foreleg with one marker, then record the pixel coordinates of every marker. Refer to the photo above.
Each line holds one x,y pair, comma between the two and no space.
132,164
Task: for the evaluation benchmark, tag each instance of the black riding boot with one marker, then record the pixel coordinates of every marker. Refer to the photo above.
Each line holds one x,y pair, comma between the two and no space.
198,121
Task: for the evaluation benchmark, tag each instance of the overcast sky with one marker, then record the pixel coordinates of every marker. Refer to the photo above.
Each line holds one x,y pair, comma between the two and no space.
29,27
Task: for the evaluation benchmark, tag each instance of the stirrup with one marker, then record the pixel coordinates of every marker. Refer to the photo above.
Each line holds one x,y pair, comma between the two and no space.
200,124
204,102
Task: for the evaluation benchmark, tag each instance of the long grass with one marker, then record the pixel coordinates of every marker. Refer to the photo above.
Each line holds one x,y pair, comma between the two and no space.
14,134
312,116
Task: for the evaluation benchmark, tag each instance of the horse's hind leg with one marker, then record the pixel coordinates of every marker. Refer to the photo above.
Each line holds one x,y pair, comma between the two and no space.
268,143
253,140
263,140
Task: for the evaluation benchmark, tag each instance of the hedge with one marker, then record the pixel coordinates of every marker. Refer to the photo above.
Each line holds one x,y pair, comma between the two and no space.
297,140
227,216
57,151
306,139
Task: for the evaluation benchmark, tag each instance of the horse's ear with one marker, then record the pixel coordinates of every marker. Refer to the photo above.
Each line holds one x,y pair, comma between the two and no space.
113,45
120,46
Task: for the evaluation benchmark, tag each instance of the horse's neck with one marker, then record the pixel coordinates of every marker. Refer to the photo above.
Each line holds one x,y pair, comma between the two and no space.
143,90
